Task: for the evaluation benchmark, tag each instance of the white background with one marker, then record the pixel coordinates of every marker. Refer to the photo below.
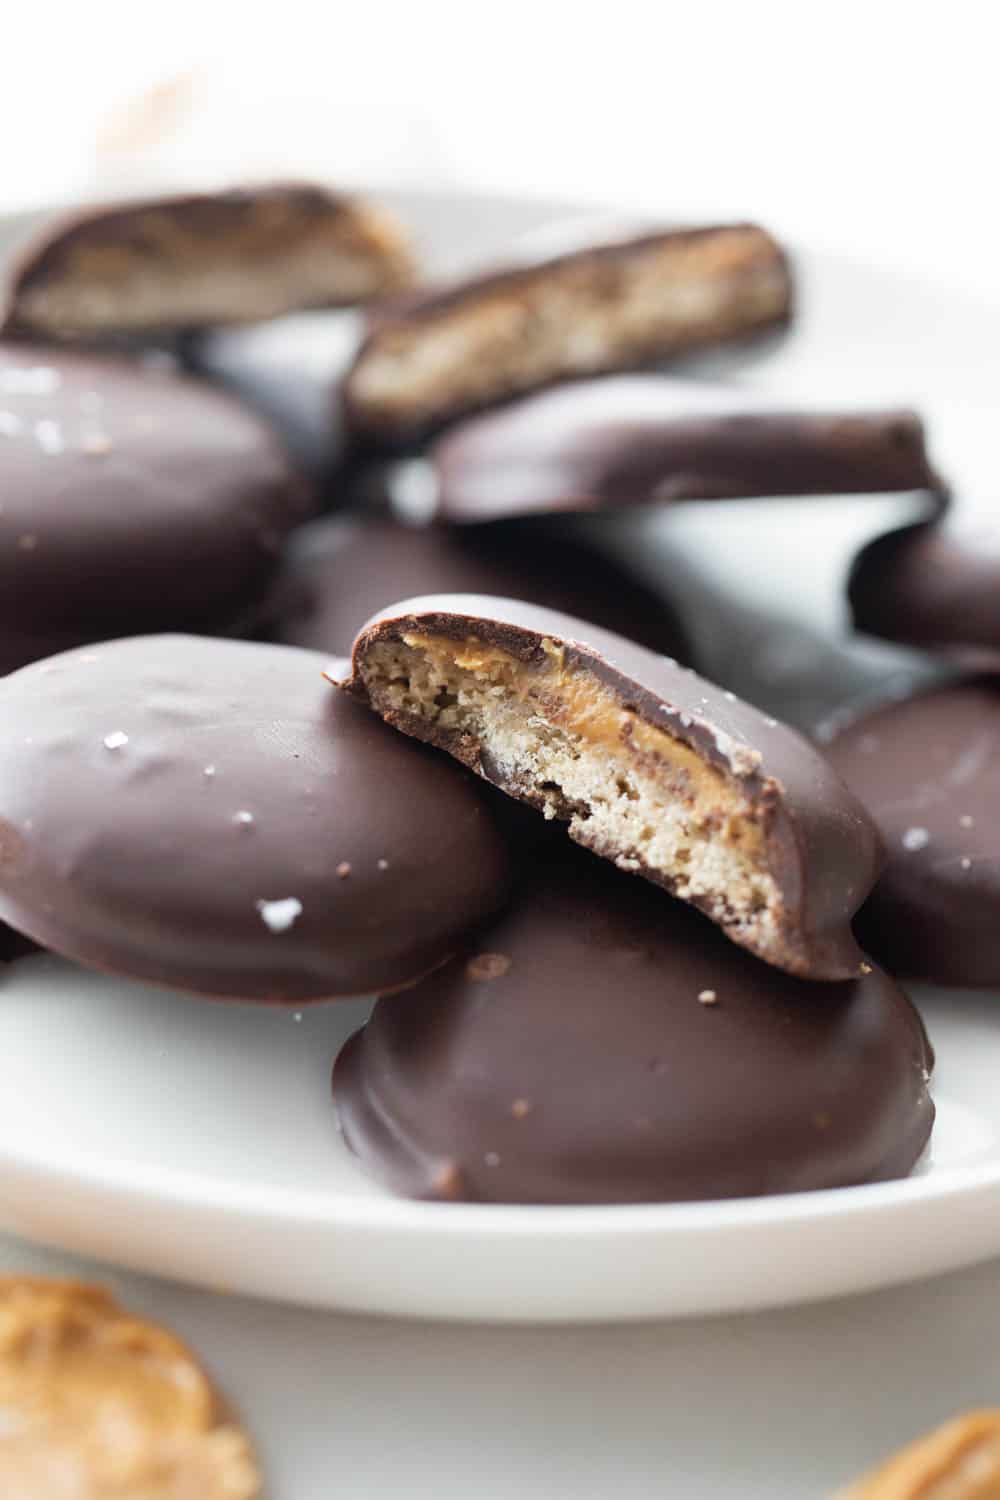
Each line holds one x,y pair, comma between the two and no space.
865,128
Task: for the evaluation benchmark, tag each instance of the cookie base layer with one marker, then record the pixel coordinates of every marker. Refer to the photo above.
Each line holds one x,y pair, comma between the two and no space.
557,738
596,310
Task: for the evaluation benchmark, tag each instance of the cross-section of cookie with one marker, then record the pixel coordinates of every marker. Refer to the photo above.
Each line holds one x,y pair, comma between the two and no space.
98,1403
959,1461
648,764
163,264
611,306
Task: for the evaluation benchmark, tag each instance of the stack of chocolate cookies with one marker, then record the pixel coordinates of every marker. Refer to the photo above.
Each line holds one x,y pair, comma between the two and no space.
220,477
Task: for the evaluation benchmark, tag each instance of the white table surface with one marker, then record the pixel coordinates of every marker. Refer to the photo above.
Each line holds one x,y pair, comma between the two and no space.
783,1406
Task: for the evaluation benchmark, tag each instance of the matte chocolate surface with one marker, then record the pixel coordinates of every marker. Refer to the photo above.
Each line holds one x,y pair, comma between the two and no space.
291,370
131,499
651,766
934,586
929,771
207,814
162,264
341,568
649,439
600,1044
611,306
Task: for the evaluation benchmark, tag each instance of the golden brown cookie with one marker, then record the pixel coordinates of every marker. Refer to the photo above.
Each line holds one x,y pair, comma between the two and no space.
959,1461
98,1405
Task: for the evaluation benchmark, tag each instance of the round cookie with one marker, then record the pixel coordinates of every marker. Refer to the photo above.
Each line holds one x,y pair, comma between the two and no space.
131,499
935,586
929,771
212,815
339,570
601,1045
98,1403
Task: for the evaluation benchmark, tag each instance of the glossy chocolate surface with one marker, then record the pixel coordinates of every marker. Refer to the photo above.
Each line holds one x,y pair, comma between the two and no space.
933,586
651,440
340,569
209,815
600,1045
929,771
131,500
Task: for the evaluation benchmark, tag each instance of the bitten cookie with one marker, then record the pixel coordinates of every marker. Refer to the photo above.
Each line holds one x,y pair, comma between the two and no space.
159,265
615,305
649,765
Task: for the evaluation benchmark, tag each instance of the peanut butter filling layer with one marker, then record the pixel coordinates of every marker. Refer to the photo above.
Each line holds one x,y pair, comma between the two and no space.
629,790
586,314
960,1461
95,1404
167,273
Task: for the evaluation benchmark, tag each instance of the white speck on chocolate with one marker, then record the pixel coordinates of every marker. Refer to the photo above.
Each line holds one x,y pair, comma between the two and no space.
492,1158
707,997
520,1108
915,838
279,916
965,862
49,436
243,818
30,380
115,740
383,864
966,821
343,869
864,968
28,542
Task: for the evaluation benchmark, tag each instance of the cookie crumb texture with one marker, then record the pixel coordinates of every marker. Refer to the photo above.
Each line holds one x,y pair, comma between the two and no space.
595,310
556,736
189,262
960,1461
99,1405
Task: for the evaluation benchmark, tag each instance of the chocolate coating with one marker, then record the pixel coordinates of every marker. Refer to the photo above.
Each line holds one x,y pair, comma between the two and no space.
340,568
934,586
650,439
626,301
817,845
160,265
130,500
929,771
291,370
601,1045
208,815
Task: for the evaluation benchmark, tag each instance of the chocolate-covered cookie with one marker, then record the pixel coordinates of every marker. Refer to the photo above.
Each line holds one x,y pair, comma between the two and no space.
131,499
162,264
933,586
339,569
291,369
207,814
602,1044
929,771
650,439
610,306
650,766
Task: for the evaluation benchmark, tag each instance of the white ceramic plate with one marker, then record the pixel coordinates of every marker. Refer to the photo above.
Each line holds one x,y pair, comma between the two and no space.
198,1140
